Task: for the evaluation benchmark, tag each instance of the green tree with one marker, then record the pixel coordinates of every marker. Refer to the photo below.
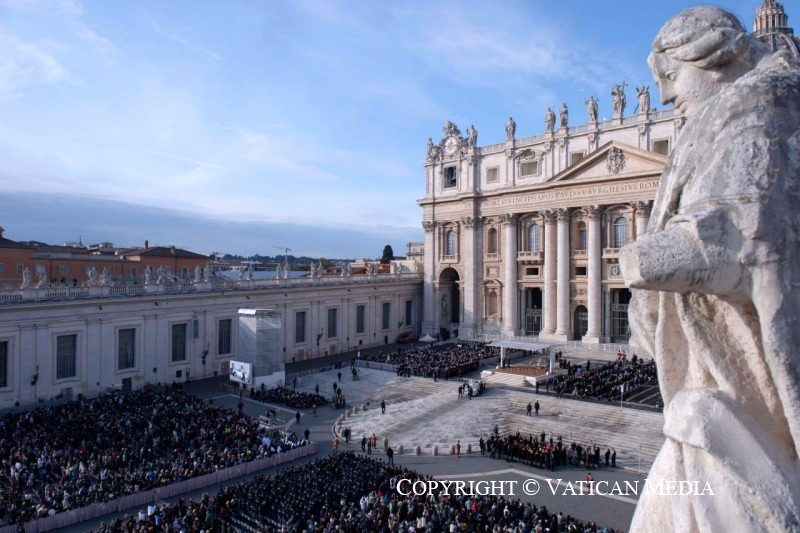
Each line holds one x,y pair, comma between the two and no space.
388,254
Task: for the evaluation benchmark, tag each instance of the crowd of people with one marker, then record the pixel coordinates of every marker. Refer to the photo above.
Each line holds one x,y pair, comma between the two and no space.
440,361
116,445
540,452
604,381
286,396
346,493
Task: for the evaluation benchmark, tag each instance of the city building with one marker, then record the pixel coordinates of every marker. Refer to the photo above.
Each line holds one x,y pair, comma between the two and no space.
85,340
71,264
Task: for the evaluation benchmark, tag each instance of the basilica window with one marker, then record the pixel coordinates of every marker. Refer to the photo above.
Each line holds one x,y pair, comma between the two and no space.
529,168
492,175
534,238
620,232
575,157
661,146
491,241
581,236
450,242
449,177
491,303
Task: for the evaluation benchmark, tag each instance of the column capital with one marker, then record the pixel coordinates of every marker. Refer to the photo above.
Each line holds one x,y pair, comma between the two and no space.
549,216
562,213
428,226
592,211
508,219
641,207
470,222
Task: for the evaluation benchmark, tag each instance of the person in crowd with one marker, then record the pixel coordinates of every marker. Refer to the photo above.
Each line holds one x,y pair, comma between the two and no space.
120,444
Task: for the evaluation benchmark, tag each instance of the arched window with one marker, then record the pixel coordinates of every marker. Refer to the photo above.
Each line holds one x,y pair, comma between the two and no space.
581,236
491,245
534,238
450,242
620,232
491,303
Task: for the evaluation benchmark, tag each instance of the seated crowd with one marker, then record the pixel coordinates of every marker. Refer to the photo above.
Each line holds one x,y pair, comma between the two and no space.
604,381
344,493
546,453
286,396
441,361
68,456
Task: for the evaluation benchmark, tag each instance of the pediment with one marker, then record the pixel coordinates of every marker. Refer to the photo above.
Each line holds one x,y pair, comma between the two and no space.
612,160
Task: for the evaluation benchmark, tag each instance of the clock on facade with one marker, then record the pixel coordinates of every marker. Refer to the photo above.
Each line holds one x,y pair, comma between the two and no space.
450,146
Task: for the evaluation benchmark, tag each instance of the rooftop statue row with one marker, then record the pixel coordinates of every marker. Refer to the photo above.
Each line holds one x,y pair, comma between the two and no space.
452,141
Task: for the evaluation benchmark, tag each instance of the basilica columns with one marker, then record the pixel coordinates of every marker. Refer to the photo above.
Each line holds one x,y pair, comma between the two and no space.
429,296
642,213
470,289
594,297
549,322
563,325
510,308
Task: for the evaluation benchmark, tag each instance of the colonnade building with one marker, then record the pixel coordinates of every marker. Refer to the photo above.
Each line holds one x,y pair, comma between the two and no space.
523,237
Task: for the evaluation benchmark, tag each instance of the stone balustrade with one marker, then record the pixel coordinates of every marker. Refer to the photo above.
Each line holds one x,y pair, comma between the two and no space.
19,295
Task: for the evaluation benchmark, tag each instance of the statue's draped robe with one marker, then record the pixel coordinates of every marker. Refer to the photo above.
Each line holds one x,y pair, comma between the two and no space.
724,240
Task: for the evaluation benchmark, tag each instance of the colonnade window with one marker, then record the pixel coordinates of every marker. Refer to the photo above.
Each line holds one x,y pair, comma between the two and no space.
450,242
534,238
491,241
620,232
581,236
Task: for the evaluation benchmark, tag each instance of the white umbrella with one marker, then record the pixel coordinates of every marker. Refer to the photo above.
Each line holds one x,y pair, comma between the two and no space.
427,338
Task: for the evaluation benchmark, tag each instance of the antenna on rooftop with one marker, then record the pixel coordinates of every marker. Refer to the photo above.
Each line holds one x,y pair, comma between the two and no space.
285,253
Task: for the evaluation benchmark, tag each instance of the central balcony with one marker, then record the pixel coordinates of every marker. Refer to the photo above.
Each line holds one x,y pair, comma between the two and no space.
533,256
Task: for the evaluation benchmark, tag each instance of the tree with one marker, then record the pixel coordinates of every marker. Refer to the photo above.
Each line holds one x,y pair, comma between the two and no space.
388,254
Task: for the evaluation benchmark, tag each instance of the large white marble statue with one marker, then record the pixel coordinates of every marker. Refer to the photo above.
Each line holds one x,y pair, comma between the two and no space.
26,278
716,279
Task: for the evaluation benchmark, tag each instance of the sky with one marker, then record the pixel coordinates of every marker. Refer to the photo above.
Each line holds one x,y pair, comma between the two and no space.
245,126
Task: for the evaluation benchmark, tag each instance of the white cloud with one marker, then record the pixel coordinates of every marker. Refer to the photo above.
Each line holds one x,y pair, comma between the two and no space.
179,39
25,65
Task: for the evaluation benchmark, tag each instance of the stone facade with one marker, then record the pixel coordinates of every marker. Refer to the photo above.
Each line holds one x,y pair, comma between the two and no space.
99,337
522,237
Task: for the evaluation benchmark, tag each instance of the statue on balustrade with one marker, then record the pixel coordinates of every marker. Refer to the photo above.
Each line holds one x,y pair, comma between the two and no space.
618,100
643,94
564,115
591,109
148,275
549,120
511,129
92,278
41,283
163,275
26,278
198,274
472,137
715,281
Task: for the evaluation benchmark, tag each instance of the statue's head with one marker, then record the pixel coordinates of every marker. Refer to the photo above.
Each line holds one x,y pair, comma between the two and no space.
697,53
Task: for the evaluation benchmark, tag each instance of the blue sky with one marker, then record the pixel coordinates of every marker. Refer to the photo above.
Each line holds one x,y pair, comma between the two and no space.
240,126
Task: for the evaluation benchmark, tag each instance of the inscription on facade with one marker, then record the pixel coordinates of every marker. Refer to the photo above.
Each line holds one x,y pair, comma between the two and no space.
583,192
